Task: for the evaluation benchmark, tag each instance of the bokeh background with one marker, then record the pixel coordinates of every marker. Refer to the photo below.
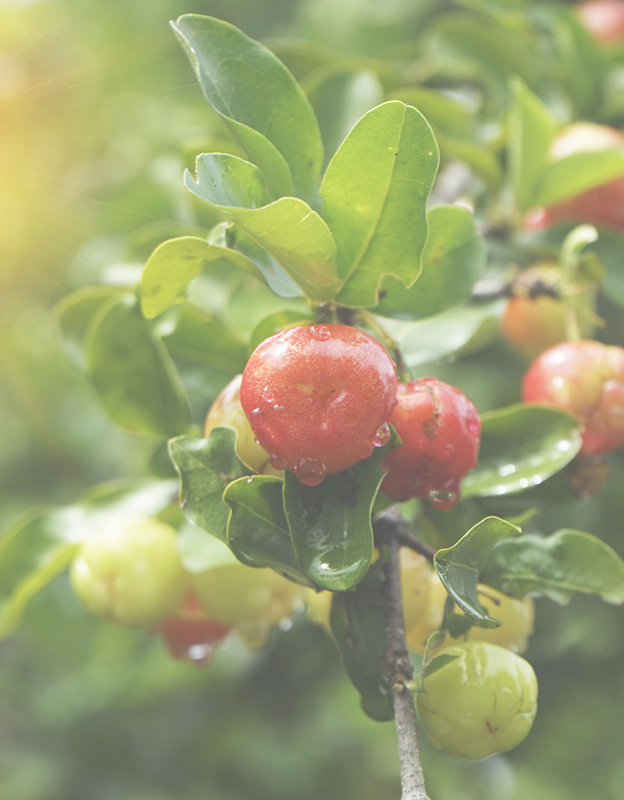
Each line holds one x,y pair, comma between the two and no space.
99,114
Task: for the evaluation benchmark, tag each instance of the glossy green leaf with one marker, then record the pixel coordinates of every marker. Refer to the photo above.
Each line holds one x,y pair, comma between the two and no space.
453,260
358,625
577,173
132,371
532,128
330,524
206,467
374,196
459,566
42,543
275,276
275,323
339,97
75,313
201,338
521,446
297,237
174,264
557,566
454,332
259,101
258,531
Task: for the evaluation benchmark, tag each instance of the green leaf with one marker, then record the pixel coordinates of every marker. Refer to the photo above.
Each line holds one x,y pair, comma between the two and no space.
455,332
557,566
43,542
374,197
459,566
288,229
259,101
521,446
201,338
477,156
258,531
330,524
132,371
275,323
274,275
358,625
440,110
453,260
75,313
174,264
577,173
206,467
532,128
339,97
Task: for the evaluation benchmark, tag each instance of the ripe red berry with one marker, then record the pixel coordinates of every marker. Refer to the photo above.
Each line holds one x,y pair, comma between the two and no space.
604,19
440,429
190,634
319,398
585,378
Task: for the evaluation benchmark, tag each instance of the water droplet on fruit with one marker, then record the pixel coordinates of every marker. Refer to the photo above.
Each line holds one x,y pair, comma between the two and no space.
448,451
268,395
320,332
256,418
285,624
444,500
474,426
310,471
201,654
382,436
277,408
367,453
277,462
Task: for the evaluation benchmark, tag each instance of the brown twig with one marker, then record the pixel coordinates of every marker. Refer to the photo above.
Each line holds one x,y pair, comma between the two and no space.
390,523
400,672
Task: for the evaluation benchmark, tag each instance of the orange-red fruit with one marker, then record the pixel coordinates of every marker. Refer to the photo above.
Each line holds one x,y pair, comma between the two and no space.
535,318
602,205
585,378
604,19
319,398
441,430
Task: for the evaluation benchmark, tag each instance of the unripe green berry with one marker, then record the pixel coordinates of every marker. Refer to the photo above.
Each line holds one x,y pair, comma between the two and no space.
130,574
483,702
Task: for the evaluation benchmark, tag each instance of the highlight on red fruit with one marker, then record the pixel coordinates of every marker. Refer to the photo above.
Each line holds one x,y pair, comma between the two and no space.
585,378
604,19
602,205
440,429
319,398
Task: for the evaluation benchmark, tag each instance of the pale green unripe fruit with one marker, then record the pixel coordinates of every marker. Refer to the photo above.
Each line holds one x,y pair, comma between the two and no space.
483,702
130,574
249,599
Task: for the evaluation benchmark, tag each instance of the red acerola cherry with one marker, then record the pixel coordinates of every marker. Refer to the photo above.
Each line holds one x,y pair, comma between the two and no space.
319,398
190,634
440,429
585,378
604,19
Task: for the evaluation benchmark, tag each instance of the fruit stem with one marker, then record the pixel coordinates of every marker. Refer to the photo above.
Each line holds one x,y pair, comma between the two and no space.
400,673
388,342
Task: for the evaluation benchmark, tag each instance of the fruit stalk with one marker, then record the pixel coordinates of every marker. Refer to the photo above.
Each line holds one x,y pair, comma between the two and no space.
400,672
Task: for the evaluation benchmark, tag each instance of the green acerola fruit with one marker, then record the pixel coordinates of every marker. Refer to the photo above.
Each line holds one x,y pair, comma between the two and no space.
483,702
130,575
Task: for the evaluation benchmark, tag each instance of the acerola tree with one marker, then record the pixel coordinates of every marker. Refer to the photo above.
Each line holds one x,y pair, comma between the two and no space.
329,297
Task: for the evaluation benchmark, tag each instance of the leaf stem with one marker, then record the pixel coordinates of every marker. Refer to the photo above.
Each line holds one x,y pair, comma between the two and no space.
388,342
400,672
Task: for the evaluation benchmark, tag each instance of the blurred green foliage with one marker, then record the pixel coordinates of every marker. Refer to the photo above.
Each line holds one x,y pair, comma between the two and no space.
99,114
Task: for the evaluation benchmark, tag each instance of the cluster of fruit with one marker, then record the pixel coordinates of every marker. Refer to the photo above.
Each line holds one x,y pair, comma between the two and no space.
131,574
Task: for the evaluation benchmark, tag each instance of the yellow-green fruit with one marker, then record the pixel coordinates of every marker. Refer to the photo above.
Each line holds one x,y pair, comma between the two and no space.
227,410
251,600
415,581
131,574
516,616
318,605
483,702
430,618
